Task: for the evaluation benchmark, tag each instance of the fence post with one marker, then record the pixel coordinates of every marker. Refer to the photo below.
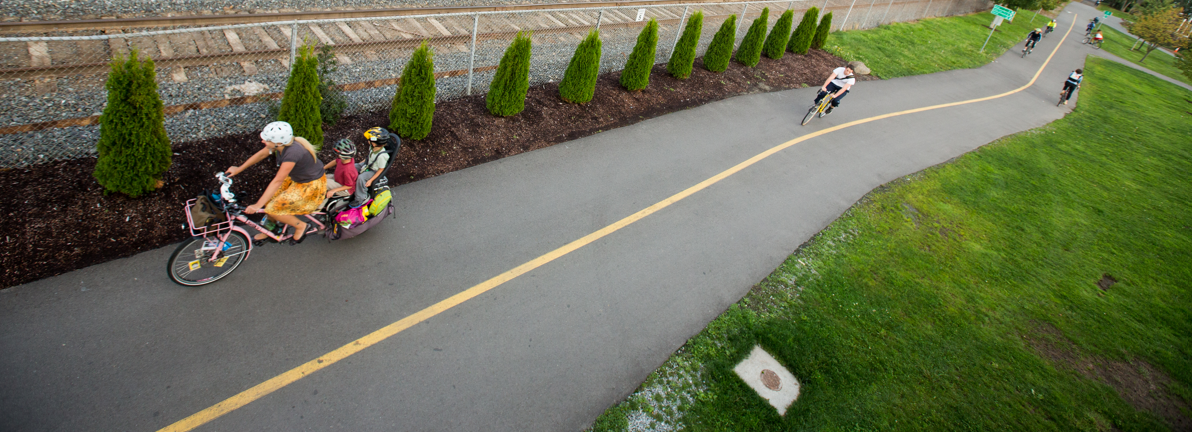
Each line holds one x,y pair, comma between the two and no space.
850,11
682,20
472,58
867,12
293,44
824,9
737,31
887,11
1036,15
599,18
927,9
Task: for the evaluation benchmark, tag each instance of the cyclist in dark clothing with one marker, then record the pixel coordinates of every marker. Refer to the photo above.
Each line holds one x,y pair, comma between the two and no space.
1071,84
1032,39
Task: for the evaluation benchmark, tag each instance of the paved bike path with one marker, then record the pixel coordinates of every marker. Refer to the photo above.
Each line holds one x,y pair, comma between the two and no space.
118,347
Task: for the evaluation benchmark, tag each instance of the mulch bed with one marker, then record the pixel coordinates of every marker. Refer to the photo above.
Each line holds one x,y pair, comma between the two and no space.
58,219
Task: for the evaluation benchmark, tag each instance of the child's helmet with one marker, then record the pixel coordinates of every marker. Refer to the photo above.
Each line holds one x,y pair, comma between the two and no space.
377,134
278,132
345,148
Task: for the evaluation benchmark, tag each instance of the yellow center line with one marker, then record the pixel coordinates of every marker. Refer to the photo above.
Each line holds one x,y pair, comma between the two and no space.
260,390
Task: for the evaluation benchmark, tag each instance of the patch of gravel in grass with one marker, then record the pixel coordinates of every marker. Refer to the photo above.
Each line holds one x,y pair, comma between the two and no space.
669,391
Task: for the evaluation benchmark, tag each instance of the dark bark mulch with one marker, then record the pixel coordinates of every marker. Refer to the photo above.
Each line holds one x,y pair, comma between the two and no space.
57,218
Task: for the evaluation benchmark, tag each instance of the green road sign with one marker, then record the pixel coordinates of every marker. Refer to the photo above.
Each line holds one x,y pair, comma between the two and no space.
1107,15
1003,12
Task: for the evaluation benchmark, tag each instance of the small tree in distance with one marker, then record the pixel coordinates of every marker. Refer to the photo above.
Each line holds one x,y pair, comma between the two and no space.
507,93
579,81
750,51
301,100
804,33
721,49
636,75
775,46
413,109
1158,29
134,150
683,58
821,33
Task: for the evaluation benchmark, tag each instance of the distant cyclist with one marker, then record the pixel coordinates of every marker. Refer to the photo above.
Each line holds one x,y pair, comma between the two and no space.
1096,39
1050,27
838,85
1072,84
1088,30
1032,39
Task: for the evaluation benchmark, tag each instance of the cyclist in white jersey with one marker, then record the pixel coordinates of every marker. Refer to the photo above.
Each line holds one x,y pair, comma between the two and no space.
838,85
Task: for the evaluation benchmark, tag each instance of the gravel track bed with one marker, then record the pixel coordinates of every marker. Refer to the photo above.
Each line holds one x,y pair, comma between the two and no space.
82,97
36,10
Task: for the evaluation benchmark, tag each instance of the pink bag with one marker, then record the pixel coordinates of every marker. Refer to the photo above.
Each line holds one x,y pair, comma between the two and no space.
352,217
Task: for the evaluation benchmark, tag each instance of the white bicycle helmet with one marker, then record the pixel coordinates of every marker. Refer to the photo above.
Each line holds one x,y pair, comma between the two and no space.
278,132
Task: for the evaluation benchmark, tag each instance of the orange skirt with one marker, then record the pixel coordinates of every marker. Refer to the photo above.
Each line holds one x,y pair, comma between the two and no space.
298,198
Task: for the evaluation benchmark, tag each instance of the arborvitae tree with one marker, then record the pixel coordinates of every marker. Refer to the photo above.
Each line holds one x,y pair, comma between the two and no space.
804,33
507,93
821,33
683,58
750,51
779,36
721,49
413,107
636,75
134,149
579,81
300,102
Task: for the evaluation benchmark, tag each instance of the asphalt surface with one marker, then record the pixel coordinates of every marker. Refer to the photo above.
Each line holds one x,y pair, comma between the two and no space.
118,347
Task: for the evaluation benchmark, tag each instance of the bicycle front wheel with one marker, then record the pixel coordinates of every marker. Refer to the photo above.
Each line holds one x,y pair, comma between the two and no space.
191,264
810,115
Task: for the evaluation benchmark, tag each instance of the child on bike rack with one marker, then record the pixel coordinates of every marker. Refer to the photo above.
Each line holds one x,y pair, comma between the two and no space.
838,85
374,165
300,185
344,181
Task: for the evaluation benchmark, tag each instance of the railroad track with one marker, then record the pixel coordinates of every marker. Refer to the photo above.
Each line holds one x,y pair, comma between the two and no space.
384,30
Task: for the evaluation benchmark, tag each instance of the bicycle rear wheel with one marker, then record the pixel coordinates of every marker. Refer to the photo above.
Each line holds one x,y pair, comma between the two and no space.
190,264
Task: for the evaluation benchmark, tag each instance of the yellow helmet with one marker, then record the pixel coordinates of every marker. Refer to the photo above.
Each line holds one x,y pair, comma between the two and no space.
376,134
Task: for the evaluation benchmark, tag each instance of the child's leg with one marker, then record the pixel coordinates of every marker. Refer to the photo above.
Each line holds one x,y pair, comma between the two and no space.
360,195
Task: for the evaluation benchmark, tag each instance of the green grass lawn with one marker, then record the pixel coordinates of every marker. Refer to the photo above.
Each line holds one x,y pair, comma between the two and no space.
1118,44
931,45
950,299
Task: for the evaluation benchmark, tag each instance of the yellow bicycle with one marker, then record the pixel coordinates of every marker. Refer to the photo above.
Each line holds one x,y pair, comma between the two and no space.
818,109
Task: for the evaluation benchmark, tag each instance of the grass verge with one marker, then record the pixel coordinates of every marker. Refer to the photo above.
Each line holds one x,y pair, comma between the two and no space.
930,45
1024,286
1118,44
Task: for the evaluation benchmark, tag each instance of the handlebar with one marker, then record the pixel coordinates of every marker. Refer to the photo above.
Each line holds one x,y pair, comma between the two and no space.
225,188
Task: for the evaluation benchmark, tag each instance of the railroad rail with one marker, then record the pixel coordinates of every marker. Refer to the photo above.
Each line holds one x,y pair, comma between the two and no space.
231,19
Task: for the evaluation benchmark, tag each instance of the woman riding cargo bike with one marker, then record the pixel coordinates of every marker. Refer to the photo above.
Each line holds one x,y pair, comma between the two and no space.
296,198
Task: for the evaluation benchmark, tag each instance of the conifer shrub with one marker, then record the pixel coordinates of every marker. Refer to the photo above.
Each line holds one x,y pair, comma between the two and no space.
821,33
413,108
683,58
301,100
134,150
507,93
579,81
750,50
636,75
775,46
334,103
804,33
721,49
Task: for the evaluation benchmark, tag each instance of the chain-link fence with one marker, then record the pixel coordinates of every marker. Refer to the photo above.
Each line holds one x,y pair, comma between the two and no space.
220,80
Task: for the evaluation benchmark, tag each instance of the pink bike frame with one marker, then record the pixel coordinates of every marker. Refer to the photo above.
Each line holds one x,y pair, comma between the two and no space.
223,230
